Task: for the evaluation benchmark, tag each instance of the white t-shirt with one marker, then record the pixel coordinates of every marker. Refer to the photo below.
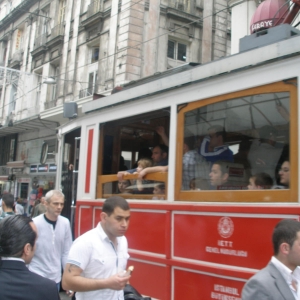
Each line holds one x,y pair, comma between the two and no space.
95,254
52,247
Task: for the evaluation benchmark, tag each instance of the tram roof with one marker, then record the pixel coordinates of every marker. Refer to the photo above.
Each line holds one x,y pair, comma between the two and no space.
192,74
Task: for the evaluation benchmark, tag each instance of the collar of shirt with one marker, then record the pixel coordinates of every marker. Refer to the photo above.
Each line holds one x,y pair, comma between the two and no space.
13,258
287,273
103,235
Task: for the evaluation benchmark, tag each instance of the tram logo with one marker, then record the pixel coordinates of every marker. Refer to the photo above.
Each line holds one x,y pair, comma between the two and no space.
225,227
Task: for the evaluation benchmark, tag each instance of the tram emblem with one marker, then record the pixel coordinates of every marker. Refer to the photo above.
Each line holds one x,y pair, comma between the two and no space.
225,227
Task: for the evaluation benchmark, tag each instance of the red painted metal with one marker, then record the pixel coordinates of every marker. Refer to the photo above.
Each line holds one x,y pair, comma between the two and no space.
206,243
293,12
168,245
205,286
89,161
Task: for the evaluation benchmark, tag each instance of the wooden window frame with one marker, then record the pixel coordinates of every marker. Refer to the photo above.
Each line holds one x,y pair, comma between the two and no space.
261,196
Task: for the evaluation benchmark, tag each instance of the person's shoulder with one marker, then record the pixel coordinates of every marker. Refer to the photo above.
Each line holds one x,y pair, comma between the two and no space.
63,219
265,277
38,219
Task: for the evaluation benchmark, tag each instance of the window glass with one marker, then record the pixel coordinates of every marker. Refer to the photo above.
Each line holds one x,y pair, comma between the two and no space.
171,49
136,189
238,144
181,55
95,54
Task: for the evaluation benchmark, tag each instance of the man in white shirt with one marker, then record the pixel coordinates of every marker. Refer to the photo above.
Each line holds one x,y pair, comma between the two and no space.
54,239
280,279
97,260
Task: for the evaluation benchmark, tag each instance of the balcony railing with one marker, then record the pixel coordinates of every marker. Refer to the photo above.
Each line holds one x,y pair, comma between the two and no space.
40,41
58,30
94,7
86,92
50,104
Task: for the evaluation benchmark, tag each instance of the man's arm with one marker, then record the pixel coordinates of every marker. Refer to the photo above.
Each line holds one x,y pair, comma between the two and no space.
161,131
67,245
73,281
152,170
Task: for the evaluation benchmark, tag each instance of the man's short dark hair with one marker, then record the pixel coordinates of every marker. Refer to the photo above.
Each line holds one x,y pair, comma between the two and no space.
190,142
219,130
163,148
285,232
111,203
263,179
9,200
15,233
224,166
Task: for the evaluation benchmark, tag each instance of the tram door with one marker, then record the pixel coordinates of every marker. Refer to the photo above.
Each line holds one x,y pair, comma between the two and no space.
70,174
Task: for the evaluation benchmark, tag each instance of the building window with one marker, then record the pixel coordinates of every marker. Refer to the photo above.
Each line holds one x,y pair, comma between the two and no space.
176,50
95,54
62,10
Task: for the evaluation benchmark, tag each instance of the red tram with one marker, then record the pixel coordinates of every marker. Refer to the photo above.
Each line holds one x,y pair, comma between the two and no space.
206,242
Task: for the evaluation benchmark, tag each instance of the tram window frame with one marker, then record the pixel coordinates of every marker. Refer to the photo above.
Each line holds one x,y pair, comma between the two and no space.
242,196
107,179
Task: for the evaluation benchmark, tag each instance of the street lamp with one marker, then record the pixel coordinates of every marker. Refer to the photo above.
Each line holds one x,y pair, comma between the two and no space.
52,80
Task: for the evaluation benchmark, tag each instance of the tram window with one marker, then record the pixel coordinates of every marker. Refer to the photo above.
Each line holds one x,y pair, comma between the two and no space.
228,143
125,142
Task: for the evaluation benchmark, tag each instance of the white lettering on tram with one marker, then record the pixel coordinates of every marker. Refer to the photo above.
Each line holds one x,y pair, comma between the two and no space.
219,289
226,251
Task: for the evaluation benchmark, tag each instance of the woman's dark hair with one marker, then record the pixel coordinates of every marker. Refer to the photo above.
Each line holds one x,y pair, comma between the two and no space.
111,203
285,232
15,233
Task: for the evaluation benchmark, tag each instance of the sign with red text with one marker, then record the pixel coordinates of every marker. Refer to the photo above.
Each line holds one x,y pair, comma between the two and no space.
231,240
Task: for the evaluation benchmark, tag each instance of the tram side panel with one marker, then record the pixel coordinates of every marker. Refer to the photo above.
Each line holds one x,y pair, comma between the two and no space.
199,254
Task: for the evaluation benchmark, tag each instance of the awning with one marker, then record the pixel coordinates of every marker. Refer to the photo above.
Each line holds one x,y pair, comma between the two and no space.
4,178
28,125
18,164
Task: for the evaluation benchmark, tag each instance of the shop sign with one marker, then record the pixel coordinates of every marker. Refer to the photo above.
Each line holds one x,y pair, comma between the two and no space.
52,168
43,168
23,180
33,168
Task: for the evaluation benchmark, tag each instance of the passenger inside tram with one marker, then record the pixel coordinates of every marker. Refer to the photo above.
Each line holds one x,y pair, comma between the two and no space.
249,132
219,175
284,174
143,186
213,146
158,191
260,181
123,186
